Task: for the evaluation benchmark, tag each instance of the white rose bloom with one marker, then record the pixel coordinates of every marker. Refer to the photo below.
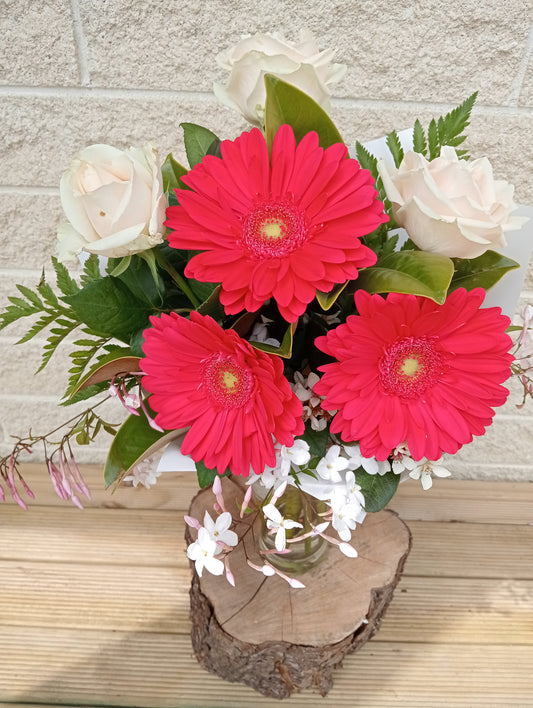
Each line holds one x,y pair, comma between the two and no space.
299,63
450,206
114,203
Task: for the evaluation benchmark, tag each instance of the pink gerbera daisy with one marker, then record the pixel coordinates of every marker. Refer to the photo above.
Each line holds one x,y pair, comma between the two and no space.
234,398
281,228
410,370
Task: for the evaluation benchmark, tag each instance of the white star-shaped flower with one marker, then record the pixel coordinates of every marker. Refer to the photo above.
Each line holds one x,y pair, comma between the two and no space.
219,530
369,464
424,469
203,552
276,521
330,465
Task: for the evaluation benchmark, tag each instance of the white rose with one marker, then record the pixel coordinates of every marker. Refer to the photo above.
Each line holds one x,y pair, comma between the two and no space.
450,206
301,64
114,202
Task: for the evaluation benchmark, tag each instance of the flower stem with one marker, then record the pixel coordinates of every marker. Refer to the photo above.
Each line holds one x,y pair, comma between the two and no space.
177,278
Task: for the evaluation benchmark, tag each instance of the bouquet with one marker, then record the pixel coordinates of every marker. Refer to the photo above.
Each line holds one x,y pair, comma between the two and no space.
303,316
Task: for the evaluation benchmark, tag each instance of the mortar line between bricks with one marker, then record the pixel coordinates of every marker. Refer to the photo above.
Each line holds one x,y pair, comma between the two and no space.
80,41
516,86
92,92
29,190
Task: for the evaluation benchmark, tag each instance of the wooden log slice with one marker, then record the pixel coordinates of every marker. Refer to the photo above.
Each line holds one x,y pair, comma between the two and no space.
277,639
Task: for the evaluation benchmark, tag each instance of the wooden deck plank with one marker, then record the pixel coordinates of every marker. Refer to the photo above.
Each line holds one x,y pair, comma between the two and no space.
152,599
125,669
155,537
448,500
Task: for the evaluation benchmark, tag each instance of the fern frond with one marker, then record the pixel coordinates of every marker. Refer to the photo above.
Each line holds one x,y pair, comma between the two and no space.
395,146
65,283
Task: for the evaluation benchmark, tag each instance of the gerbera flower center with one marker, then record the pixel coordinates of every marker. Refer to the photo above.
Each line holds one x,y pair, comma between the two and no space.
273,229
227,383
409,366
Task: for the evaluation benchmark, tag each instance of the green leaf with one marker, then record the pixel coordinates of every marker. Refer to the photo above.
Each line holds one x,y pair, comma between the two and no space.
109,365
286,104
198,141
415,272
134,441
433,140
481,272
109,308
284,350
172,172
377,489
65,283
369,162
451,126
327,300
122,265
419,139
212,305
91,270
316,439
395,146
143,279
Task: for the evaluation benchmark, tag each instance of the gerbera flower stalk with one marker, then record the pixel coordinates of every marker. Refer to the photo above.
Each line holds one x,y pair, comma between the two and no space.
277,227
410,370
235,398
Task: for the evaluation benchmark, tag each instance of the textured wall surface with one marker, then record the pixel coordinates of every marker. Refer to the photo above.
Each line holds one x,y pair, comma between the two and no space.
125,72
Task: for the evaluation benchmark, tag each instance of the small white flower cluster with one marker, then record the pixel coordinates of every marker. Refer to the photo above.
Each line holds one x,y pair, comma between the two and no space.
145,472
312,404
423,469
214,538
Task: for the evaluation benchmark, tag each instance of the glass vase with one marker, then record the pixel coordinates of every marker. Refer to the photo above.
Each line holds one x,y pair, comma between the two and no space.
303,555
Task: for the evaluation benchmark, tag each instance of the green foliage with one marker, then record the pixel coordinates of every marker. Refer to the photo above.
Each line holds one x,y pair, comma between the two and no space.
415,272
377,489
447,130
327,300
286,104
199,142
134,441
172,172
419,139
43,301
370,163
284,350
481,272
316,439
395,146
109,308
91,270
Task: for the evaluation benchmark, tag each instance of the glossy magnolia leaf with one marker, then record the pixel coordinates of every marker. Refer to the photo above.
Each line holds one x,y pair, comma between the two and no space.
198,142
327,300
108,366
377,489
285,350
172,172
481,272
412,272
134,441
286,104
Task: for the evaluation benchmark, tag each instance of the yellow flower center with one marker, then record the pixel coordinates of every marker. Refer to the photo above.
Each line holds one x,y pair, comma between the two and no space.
410,366
229,385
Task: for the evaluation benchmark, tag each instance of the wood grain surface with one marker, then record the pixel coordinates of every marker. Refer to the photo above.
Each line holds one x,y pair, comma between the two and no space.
94,604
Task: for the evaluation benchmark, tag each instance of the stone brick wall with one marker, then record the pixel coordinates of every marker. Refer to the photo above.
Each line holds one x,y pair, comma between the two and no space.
129,71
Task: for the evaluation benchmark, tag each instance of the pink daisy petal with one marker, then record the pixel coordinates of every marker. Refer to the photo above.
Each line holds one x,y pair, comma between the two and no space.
396,382
234,398
278,228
